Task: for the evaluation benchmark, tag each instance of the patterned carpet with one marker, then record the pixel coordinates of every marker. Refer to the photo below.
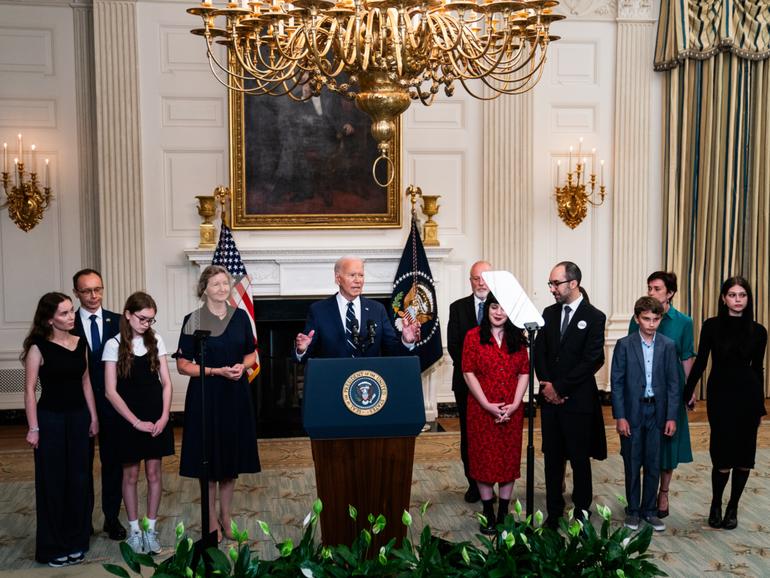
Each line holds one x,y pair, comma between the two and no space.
284,492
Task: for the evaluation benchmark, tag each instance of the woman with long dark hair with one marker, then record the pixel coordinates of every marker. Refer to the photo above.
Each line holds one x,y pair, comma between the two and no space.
496,369
60,424
138,385
735,394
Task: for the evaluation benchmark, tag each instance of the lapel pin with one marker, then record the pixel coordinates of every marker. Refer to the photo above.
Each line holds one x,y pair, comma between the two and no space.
582,324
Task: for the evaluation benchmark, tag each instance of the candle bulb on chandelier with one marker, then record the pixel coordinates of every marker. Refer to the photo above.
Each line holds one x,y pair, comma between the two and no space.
16,172
5,157
558,171
602,181
569,168
33,159
593,157
580,147
18,136
47,175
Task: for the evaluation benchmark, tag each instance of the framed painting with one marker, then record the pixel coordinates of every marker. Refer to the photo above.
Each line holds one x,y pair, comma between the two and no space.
308,165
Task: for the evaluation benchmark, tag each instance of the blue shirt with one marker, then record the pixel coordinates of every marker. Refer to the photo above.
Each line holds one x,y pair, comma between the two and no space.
648,350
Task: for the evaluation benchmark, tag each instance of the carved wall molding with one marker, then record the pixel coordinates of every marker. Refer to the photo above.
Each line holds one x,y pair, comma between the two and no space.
638,10
588,9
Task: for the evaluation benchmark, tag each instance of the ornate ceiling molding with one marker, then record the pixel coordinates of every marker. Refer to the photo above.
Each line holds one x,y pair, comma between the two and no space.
588,9
641,10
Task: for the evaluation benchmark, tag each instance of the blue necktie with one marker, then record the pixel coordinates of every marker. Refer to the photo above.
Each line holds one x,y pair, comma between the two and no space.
350,320
565,321
480,313
96,341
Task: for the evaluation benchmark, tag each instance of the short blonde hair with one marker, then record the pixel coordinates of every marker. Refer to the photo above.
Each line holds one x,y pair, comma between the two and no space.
208,273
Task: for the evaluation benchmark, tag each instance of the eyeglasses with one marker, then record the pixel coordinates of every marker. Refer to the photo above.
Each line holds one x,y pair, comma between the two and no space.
552,284
94,291
144,320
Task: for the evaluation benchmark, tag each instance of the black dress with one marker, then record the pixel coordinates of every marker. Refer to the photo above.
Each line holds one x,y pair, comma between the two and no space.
231,431
62,463
143,393
735,390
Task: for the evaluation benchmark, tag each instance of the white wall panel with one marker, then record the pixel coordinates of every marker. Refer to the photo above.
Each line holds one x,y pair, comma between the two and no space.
30,112
193,112
27,50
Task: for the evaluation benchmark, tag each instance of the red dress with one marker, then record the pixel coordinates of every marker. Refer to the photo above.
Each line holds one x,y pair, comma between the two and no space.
494,450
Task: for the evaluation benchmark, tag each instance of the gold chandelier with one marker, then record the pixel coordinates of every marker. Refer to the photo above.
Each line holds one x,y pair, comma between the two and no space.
380,53
24,199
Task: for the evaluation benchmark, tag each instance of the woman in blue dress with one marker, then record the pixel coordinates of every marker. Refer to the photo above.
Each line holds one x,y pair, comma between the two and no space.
676,449
231,436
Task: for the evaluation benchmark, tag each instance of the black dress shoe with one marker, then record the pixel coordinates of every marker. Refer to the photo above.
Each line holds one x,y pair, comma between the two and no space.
472,495
115,529
715,517
730,521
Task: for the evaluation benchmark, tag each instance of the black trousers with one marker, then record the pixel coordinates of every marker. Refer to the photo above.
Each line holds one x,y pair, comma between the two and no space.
111,468
461,399
566,436
61,484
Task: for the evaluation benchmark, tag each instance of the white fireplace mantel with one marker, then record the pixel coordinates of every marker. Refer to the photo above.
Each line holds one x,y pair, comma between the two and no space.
309,272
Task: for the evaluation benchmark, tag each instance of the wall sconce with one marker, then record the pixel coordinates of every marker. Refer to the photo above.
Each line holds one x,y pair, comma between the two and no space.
24,199
573,198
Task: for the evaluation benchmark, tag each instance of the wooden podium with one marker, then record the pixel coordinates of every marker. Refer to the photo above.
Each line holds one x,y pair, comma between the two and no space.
362,415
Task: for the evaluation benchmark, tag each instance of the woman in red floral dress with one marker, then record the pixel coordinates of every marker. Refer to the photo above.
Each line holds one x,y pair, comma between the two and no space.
496,369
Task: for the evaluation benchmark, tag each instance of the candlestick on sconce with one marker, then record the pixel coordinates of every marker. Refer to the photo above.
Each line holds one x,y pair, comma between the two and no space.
25,202
573,198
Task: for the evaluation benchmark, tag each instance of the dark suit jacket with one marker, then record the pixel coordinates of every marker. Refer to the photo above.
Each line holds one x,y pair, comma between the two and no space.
110,328
629,382
329,338
570,363
462,318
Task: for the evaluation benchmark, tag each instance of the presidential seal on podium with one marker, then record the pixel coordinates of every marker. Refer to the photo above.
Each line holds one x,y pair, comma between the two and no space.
365,393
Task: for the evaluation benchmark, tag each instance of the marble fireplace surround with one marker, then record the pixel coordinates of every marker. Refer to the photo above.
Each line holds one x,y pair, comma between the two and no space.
309,272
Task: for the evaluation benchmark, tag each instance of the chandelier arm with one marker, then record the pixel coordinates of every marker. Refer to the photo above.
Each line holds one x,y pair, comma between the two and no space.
227,84
368,38
393,18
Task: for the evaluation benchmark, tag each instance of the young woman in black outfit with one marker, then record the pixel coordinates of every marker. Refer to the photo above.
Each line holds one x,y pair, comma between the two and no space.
60,424
735,393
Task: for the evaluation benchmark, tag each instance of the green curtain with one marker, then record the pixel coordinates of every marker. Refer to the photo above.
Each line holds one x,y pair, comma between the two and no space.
715,55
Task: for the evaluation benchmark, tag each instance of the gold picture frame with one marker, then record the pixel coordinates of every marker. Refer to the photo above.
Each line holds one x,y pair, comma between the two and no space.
303,182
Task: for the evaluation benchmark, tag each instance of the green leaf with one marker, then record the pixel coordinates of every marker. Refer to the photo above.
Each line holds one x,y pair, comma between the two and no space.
538,518
318,506
379,524
326,553
366,536
144,524
382,556
286,548
424,507
406,518
129,557
116,570
604,511
509,539
179,531
517,508
466,557
352,512
620,574
264,527
233,553
481,518
622,500
306,572
370,518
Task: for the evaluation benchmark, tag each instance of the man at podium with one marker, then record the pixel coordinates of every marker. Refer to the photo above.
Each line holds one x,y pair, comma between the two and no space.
350,325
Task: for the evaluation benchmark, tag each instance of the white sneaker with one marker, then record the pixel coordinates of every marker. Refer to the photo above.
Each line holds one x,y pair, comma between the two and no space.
151,542
136,542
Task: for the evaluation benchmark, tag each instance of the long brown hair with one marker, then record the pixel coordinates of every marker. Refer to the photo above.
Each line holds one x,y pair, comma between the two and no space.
41,328
136,302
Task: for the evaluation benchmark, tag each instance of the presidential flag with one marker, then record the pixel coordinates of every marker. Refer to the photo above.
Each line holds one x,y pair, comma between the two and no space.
414,297
228,256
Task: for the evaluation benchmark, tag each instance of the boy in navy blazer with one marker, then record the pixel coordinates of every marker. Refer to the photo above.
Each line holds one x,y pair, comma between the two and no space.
645,400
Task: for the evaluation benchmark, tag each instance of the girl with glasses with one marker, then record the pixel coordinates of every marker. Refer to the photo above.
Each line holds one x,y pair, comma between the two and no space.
138,385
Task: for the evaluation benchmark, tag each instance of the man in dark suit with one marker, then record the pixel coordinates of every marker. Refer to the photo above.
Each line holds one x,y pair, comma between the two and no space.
464,315
350,325
97,326
568,351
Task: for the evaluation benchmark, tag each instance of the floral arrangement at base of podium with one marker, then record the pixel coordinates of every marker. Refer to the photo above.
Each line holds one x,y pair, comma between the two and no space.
522,547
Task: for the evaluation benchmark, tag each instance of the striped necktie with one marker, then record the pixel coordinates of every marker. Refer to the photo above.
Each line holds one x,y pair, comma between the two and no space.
350,322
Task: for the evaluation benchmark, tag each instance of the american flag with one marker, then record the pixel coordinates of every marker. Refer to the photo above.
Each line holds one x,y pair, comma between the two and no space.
228,256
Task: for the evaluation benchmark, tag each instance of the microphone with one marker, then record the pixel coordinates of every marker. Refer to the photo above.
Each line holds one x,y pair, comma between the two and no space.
356,337
371,328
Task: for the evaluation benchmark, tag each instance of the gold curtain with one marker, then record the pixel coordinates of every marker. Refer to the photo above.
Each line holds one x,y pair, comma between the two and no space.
716,58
